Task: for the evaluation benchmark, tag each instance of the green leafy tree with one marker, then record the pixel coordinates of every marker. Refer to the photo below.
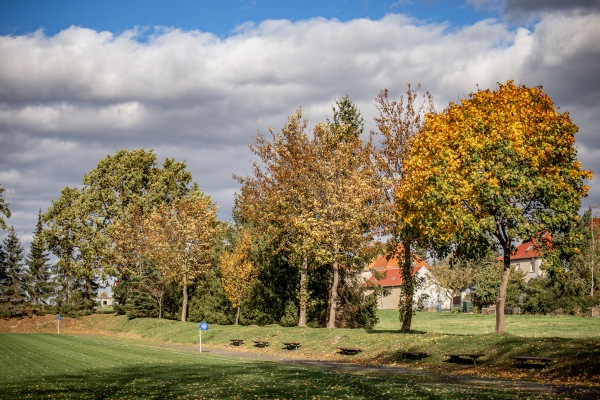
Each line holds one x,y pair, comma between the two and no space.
80,223
3,209
39,277
122,184
455,276
582,274
487,283
72,240
347,120
501,164
208,302
141,295
570,284
276,287
13,291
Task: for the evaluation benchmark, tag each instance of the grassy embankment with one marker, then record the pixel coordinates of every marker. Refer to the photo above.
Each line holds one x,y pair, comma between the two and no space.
67,366
574,341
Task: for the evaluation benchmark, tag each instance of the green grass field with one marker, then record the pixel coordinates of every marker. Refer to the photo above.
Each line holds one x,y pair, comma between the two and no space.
36,366
125,360
561,326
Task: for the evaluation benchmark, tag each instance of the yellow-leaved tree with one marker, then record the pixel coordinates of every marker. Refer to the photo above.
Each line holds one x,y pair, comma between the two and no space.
502,165
179,239
238,272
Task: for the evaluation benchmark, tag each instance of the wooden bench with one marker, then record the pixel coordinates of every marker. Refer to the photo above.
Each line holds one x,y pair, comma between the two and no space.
261,343
237,342
457,356
349,350
291,345
415,354
523,359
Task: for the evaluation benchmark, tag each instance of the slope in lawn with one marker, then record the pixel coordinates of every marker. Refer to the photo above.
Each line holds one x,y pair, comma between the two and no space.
52,366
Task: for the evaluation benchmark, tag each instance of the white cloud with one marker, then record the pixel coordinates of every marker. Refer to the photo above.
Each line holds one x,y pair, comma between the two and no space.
68,100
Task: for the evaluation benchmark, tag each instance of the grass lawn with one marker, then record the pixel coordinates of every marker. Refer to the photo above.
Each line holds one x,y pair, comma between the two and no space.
537,326
65,366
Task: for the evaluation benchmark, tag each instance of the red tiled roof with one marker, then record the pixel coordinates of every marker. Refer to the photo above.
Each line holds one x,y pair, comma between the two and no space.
526,250
391,276
383,262
390,270
529,249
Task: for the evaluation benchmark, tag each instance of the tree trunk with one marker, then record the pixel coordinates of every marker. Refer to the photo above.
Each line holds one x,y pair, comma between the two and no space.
408,286
160,303
237,315
303,290
501,300
185,302
333,295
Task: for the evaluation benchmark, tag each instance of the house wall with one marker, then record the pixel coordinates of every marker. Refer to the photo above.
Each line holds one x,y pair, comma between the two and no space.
435,293
390,301
531,267
429,287
104,302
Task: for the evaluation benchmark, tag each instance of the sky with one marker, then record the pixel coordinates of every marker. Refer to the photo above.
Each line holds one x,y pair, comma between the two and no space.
197,80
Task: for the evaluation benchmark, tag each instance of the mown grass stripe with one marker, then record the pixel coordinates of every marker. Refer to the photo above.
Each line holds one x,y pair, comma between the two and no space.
113,369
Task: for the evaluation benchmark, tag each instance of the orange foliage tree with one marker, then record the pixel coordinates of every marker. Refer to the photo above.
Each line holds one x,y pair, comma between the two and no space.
274,199
501,164
238,272
318,192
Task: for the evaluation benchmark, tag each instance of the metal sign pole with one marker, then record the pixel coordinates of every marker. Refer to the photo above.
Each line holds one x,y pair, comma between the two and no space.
203,326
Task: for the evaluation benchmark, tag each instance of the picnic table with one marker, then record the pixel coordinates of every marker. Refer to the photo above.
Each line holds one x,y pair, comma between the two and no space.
261,343
455,357
349,350
523,359
291,345
237,342
415,354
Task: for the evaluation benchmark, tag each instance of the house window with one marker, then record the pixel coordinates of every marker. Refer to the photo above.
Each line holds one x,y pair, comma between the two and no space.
532,270
517,266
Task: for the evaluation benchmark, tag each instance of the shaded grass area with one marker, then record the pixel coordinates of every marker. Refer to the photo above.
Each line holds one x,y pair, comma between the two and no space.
53,366
576,358
573,341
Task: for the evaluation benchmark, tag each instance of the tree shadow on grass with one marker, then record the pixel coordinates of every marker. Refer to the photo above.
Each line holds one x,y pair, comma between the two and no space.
574,357
243,380
412,332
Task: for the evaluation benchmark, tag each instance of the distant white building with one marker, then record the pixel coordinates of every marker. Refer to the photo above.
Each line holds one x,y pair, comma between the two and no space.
104,300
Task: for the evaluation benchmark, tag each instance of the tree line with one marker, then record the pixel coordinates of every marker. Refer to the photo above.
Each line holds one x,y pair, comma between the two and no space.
473,180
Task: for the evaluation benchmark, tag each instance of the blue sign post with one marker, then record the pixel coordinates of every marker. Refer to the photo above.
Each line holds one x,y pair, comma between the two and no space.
203,327
59,318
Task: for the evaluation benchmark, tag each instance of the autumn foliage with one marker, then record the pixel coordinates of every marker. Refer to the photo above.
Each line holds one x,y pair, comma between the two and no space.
501,164
238,272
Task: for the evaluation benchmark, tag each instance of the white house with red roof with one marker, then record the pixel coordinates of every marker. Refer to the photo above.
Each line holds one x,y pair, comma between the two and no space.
387,274
527,258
